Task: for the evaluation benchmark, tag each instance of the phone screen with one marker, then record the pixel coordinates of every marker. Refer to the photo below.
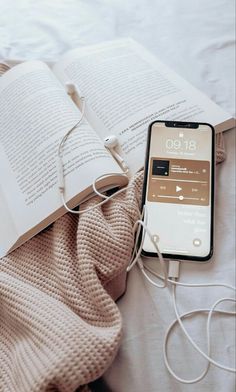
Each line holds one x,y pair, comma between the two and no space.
178,197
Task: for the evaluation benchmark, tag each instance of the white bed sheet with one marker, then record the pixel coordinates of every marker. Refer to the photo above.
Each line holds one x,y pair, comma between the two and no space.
197,40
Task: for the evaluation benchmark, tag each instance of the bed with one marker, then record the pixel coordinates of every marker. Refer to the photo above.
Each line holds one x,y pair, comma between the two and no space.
197,40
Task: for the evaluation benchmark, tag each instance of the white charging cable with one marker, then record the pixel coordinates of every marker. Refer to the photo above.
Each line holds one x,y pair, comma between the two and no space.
174,266
173,274
166,278
141,223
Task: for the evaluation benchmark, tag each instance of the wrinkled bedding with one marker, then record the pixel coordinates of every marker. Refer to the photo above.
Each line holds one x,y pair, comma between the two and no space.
197,40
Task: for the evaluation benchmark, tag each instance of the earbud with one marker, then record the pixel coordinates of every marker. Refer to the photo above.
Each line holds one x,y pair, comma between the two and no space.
75,94
110,142
70,88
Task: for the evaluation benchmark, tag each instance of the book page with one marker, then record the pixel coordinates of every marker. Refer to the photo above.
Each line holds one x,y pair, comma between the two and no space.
35,113
126,88
8,231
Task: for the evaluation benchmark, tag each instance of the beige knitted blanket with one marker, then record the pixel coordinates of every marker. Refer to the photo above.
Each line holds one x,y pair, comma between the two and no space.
59,325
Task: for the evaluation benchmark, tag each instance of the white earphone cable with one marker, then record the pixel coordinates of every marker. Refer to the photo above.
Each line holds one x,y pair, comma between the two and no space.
169,330
141,224
136,259
60,169
71,89
106,198
179,318
177,283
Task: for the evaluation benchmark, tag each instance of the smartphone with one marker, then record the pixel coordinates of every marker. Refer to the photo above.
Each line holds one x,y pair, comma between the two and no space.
178,190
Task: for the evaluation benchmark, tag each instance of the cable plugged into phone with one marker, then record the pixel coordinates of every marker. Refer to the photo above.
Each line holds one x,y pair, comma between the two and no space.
173,271
170,278
171,177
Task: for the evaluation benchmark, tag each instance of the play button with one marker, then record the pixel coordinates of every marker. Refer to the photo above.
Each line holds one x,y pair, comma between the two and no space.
178,188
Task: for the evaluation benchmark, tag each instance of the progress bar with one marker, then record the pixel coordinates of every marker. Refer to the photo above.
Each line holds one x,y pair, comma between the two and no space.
168,179
179,197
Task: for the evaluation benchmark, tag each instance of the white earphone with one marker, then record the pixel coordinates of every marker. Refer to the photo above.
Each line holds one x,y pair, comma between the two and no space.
71,89
171,277
110,142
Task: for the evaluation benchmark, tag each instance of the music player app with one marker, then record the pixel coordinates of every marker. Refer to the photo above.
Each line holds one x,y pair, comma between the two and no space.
178,193
182,181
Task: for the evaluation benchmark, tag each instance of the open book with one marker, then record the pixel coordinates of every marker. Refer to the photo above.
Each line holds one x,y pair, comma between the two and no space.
125,88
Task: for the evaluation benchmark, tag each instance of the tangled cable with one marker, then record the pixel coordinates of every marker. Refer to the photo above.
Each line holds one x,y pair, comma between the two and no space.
168,278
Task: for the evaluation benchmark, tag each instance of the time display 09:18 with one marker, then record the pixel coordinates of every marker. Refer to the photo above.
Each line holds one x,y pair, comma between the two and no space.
176,144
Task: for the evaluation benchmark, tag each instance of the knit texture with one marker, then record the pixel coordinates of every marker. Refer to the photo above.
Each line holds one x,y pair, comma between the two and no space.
60,328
